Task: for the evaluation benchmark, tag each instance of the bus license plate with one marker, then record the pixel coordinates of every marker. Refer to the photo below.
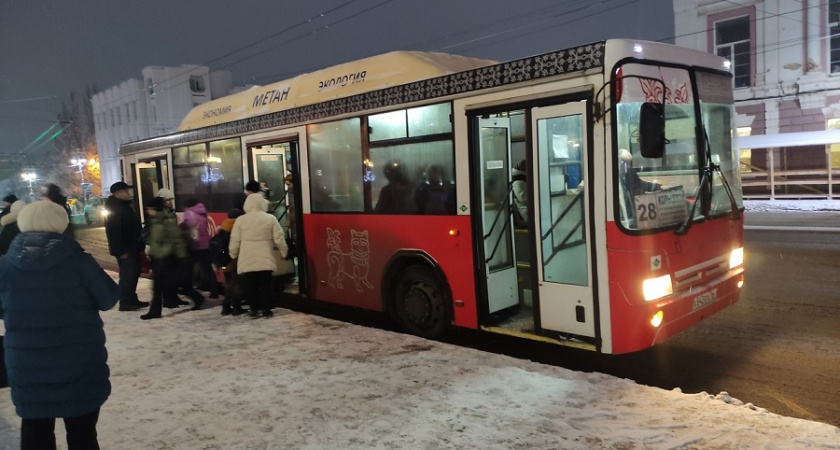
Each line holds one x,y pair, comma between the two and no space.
704,299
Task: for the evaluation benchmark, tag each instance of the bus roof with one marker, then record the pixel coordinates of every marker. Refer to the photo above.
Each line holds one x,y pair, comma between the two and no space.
355,77
394,78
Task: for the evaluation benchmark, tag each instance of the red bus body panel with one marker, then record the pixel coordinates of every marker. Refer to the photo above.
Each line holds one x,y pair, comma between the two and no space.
630,261
347,255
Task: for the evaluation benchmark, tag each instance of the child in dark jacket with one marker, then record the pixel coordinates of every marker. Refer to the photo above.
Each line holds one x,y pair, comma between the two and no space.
220,256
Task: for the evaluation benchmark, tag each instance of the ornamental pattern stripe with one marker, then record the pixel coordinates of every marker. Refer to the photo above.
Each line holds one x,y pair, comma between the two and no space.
550,64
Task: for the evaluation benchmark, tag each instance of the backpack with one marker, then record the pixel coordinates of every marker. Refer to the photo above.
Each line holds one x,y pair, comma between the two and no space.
219,253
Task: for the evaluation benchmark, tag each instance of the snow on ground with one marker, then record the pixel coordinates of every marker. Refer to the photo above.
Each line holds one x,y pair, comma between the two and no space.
198,380
791,205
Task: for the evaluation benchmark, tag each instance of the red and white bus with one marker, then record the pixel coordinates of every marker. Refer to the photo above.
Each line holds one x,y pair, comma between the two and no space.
404,170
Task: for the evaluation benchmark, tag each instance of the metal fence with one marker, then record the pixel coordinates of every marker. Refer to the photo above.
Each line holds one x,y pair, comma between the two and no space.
776,178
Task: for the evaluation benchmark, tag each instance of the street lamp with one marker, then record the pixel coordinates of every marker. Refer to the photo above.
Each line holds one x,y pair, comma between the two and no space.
30,177
80,162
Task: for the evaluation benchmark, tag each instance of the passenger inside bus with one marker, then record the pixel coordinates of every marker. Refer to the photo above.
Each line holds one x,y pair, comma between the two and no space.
434,195
519,187
393,197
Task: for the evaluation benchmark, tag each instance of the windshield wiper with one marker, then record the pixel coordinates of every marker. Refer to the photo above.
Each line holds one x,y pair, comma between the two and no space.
705,191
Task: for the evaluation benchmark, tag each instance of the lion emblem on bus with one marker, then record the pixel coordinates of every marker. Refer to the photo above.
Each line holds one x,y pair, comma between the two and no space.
353,264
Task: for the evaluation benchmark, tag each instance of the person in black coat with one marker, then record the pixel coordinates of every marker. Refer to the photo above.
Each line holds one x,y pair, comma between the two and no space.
55,195
10,227
7,204
124,233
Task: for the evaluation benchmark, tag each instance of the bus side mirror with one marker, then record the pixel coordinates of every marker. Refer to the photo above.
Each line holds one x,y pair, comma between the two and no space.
652,130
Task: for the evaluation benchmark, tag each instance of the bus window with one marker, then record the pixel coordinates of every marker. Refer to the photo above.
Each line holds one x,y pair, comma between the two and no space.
209,172
425,168
427,120
676,173
412,155
411,123
335,157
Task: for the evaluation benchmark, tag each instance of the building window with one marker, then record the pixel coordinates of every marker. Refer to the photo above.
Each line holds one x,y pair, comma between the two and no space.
196,83
732,41
834,34
150,86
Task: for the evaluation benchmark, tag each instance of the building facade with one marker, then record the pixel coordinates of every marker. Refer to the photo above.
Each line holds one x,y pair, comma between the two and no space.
785,57
139,109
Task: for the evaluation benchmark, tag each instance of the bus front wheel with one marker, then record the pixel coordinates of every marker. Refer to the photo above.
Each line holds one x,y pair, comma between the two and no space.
420,303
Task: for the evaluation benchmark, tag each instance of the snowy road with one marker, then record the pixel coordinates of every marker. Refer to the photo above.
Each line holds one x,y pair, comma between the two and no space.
198,380
778,347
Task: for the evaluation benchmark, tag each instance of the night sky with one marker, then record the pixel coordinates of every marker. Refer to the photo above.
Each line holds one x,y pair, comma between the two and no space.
49,48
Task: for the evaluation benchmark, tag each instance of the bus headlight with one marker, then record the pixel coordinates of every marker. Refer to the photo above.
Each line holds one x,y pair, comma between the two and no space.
658,287
104,213
736,258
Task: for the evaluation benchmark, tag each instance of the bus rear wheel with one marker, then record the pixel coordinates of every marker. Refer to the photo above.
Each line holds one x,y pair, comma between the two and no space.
420,303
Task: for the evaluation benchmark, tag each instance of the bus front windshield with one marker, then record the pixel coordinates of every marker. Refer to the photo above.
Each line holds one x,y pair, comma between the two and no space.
656,193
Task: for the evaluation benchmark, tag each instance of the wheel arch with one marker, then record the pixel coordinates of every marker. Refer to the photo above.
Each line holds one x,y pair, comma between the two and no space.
402,260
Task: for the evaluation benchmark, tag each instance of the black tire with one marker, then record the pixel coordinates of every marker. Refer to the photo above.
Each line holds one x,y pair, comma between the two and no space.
421,304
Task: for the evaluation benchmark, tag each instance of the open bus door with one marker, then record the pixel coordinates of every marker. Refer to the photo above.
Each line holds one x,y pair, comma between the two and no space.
564,262
500,264
539,278
150,175
270,163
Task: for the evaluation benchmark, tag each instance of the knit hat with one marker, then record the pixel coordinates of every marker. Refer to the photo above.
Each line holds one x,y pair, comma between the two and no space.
165,194
11,198
234,213
43,216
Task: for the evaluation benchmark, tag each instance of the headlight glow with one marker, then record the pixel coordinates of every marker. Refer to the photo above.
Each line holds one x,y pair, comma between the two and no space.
736,258
656,320
658,287
104,213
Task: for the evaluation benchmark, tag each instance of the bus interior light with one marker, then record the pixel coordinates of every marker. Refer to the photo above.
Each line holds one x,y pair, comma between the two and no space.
658,287
736,258
657,318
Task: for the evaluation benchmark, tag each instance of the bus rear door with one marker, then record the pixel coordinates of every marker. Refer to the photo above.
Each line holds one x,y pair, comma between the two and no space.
270,164
150,175
500,265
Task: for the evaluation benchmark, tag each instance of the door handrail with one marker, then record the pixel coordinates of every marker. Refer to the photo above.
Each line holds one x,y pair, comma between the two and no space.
566,210
496,220
556,249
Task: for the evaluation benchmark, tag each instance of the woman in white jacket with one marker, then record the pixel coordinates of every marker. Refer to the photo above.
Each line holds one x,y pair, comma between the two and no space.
254,237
